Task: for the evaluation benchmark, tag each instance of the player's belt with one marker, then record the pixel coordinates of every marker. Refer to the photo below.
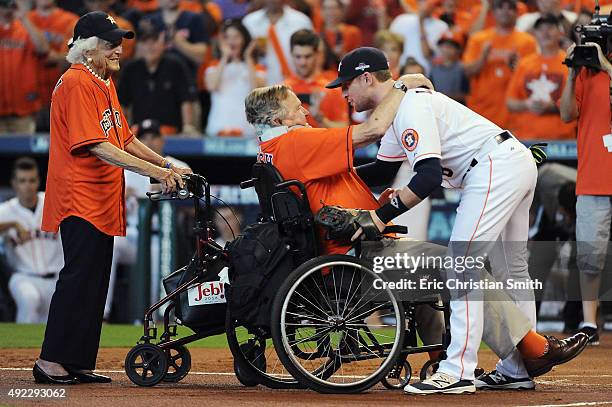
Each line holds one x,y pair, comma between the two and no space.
487,147
45,276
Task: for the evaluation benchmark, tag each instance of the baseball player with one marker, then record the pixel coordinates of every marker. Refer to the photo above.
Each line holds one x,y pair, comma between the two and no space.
36,257
447,144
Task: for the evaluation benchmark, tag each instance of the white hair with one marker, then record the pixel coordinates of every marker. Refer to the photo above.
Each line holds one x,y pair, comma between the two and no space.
76,52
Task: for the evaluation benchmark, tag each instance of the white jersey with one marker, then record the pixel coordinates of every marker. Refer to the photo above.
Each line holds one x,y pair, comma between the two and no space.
429,124
43,254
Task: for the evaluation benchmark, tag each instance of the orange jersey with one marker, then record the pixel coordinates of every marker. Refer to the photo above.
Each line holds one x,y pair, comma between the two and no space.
521,8
488,88
58,28
540,78
351,38
463,19
144,6
594,160
84,111
322,159
332,105
18,72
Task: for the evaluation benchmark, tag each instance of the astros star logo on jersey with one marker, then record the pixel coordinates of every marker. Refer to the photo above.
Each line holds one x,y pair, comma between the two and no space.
410,139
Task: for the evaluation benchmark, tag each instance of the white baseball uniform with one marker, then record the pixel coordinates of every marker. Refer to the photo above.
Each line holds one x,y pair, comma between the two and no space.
36,263
496,194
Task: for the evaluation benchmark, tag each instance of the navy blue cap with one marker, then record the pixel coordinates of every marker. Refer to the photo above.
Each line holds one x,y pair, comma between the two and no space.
101,25
358,61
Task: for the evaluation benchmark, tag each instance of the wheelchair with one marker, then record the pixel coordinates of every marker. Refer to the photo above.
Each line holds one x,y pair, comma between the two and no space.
330,328
163,358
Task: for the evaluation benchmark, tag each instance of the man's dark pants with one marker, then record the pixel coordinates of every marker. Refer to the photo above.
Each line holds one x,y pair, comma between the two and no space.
73,329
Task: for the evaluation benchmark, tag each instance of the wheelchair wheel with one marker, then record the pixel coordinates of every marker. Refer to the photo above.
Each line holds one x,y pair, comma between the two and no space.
146,364
398,376
244,375
179,363
332,329
429,368
255,360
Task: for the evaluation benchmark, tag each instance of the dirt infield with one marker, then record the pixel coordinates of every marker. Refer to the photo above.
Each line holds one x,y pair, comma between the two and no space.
584,381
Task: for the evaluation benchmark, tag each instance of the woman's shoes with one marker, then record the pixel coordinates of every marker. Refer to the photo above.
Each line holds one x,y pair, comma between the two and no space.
43,378
90,377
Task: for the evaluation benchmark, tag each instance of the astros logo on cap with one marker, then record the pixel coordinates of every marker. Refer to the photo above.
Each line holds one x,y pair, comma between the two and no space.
362,67
410,139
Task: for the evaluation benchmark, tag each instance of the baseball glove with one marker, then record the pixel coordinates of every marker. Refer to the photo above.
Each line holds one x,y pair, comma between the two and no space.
342,223
538,153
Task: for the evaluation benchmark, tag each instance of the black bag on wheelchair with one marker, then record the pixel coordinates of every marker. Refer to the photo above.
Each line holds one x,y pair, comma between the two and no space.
202,306
260,259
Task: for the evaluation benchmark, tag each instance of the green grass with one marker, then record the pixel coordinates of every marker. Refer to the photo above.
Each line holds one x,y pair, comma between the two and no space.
113,336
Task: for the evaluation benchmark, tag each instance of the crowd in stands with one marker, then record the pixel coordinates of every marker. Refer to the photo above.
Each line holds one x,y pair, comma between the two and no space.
193,61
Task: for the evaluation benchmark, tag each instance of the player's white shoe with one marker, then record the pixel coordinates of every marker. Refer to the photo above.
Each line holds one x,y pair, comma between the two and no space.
441,383
497,381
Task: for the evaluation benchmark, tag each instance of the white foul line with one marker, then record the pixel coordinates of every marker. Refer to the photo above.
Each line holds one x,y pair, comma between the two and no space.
584,403
120,371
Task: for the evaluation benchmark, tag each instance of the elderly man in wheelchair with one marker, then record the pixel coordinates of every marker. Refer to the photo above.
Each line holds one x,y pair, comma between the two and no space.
334,328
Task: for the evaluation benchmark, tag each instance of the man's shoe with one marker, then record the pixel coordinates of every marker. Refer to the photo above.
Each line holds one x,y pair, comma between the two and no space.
593,334
441,383
41,377
90,377
559,351
497,381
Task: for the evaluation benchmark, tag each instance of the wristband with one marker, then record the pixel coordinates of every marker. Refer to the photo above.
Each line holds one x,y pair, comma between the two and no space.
391,210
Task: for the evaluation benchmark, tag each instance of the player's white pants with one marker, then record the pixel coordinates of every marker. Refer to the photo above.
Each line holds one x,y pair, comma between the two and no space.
32,297
494,207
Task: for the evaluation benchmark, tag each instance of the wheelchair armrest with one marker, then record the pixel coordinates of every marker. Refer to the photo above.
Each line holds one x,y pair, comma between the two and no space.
396,229
248,183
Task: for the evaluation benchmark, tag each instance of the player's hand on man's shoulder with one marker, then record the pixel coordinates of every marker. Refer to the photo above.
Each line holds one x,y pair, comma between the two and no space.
416,80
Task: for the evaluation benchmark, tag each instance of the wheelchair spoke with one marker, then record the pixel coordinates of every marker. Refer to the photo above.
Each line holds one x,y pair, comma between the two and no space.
310,302
347,302
323,331
335,294
322,296
362,298
355,318
305,316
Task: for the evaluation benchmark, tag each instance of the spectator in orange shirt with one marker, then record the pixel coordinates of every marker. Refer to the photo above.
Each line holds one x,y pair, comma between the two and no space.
483,15
490,58
340,37
21,44
106,6
56,25
456,18
392,44
536,87
327,106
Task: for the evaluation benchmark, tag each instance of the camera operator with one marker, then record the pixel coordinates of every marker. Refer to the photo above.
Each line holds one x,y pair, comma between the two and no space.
587,97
